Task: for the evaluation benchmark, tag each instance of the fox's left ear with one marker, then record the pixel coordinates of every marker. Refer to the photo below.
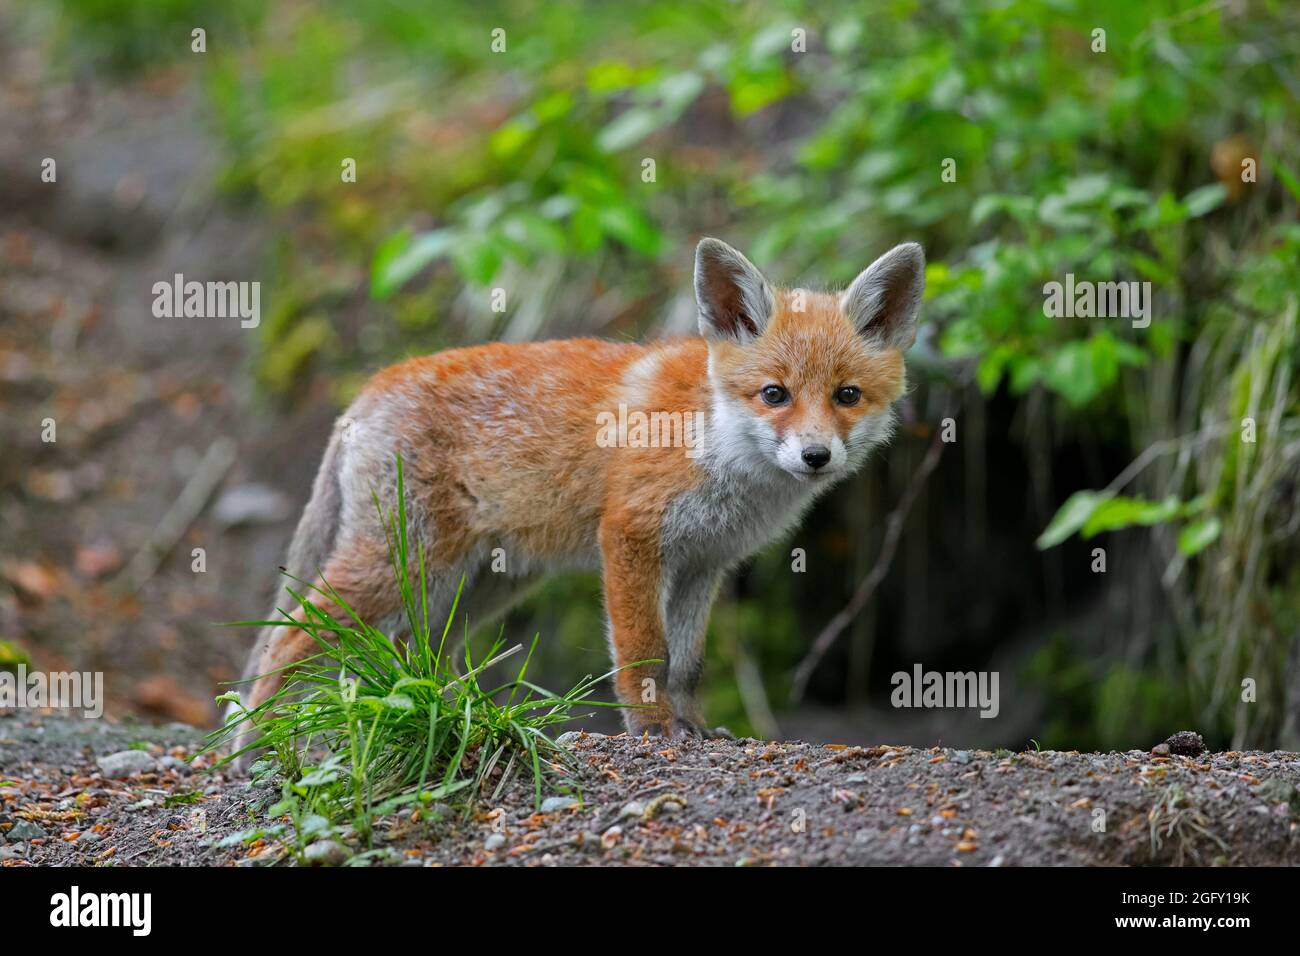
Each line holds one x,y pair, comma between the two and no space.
883,301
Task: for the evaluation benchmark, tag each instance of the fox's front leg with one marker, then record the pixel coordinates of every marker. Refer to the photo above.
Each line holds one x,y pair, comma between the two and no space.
631,571
688,598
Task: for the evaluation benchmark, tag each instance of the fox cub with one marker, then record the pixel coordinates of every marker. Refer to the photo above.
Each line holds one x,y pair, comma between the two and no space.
788,390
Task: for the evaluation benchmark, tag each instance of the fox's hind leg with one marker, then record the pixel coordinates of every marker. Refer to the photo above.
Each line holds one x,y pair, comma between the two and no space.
360,574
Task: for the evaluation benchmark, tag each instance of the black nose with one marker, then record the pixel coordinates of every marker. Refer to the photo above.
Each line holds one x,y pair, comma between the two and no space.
814,456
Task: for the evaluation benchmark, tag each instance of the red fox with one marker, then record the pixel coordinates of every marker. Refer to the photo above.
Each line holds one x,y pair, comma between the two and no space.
501,449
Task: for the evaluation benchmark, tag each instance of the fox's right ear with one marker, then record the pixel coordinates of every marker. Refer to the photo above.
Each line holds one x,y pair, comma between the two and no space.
735,301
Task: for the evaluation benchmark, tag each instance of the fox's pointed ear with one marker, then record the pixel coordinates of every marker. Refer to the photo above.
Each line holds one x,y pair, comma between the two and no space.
883,301
735,301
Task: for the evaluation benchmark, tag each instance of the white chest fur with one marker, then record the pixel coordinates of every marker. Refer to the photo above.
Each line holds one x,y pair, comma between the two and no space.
728,518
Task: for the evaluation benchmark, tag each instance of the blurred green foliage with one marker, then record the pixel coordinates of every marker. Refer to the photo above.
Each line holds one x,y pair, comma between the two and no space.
815,135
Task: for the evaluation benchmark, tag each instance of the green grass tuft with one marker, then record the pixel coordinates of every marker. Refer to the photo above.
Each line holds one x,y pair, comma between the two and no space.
370,724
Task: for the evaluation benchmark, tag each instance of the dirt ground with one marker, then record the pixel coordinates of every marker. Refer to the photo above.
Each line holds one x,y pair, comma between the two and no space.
655,803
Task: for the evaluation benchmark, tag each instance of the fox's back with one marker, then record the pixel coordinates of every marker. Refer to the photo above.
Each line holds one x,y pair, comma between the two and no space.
500,440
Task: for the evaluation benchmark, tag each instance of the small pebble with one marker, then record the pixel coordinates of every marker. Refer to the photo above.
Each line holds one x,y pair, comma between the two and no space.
125,763
26,830
326,853
571,737
554,804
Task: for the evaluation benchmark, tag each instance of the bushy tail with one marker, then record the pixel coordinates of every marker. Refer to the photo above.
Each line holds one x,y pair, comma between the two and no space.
313,542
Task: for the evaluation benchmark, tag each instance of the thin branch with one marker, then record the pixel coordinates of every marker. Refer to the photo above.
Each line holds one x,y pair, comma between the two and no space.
1166,446
184,511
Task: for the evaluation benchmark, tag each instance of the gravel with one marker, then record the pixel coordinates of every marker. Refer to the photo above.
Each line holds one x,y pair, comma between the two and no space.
651,802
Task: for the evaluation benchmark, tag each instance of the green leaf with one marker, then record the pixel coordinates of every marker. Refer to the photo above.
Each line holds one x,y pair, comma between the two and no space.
630,127
1288,176
1019,208
479,258
1025,373
1070,517
679,90
315,825
843,36
248,836
1196,536
1078,371
1121,512
752,90
990,369
629,227
612,76
1205,200
770,41
400,257
318,778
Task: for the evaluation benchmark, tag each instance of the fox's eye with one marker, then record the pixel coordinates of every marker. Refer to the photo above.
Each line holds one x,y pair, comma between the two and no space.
848,395
774,394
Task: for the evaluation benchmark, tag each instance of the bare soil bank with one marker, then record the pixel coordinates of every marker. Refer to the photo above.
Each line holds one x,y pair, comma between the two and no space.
689,803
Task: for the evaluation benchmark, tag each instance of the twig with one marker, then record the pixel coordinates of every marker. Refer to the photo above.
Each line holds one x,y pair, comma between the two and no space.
183,513
889,545
1164,447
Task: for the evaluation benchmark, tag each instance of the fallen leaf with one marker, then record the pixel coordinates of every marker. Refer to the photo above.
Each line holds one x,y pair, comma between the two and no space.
163,694
36,580
97,560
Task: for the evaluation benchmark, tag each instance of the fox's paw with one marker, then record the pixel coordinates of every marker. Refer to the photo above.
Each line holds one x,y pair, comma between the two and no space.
677,728
695,728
